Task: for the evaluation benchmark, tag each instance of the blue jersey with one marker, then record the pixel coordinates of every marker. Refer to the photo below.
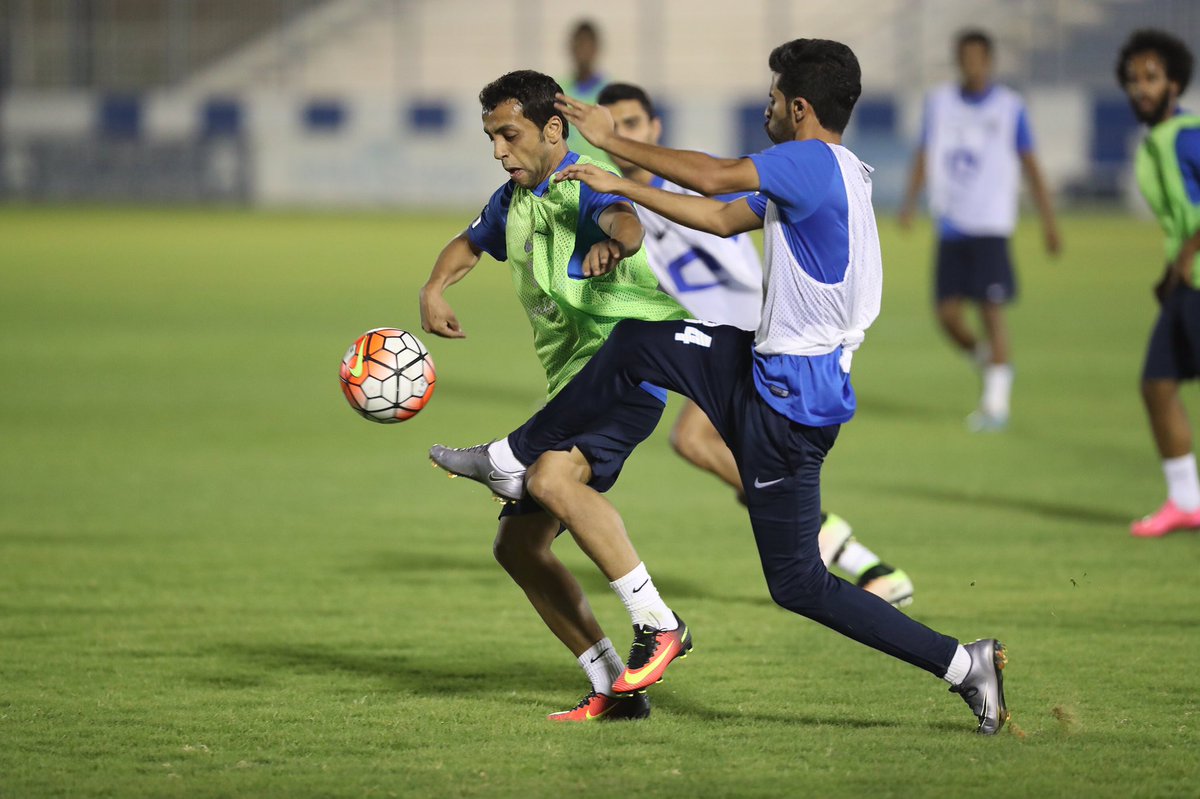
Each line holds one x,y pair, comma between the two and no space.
823,278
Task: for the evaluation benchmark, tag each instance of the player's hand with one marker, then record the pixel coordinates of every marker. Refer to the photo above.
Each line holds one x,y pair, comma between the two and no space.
1053,241
1182,268
437,317
1166,284
602,258
594,122
597,179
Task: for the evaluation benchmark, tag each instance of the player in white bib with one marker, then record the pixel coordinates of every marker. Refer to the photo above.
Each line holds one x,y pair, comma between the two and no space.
720,280
975,141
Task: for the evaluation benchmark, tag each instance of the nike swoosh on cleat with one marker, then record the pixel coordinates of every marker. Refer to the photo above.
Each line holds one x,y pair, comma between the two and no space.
356,369
632,677
640,587
759,484
589,715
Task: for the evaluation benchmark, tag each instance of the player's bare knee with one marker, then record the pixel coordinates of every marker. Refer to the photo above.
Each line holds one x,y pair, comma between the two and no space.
949,314
550,475
683,440
1158,393
509,551
519,548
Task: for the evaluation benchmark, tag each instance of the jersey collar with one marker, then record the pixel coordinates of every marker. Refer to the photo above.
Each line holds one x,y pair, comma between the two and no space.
544,186
974,98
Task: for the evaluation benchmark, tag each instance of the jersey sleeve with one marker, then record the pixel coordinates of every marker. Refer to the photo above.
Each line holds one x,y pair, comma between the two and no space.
1024,133
758,203
1187,153
592,203
487,232
796,174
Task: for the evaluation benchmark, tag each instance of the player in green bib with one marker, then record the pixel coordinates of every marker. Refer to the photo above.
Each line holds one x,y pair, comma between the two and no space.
1154,69
578,269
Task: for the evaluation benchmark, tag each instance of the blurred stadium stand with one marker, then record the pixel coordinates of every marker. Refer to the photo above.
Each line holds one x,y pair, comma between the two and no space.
359,102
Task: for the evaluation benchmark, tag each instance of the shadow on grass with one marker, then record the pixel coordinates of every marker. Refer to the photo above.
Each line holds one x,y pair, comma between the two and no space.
889,406
689,708
595,583
401,673
676,589
397,562
972,499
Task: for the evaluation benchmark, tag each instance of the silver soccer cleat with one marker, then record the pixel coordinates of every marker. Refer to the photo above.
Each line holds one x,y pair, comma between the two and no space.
475,463
983,687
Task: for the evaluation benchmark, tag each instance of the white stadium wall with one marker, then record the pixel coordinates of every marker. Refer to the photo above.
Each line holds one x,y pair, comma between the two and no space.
366,102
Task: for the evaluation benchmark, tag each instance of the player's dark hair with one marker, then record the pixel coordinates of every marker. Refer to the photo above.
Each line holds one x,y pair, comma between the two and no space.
533,90
823,72
585,28
973,36
616,92
1174,54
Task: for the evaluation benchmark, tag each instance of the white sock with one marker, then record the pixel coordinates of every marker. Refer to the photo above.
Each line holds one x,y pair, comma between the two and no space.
602,665
958,667
997,389
503,458
641,599
856,559
1183,486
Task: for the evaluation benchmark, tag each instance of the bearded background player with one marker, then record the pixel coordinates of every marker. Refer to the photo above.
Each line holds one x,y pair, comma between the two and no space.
1154,68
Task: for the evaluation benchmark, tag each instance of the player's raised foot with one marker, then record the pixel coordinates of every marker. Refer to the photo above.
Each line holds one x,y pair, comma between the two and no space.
983,422
601,707
888,583
652,651
1166,519
475,463
835,534
983,687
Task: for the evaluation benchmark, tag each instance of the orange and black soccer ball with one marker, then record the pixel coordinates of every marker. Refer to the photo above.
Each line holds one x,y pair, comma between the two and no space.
387,375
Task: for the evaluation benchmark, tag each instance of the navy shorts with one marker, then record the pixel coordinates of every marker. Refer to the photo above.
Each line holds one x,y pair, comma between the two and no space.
607,445
1174,349
779,461
975,268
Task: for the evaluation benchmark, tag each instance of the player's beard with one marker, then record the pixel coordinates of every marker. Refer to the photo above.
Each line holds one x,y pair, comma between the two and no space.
1158,114
776,133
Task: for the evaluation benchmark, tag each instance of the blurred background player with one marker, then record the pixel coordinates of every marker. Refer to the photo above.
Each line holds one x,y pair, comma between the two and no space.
586,80
555,238
1154,69
975,139
720,280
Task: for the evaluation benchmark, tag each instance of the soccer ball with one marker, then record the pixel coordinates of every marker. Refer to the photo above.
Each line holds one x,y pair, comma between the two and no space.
387,375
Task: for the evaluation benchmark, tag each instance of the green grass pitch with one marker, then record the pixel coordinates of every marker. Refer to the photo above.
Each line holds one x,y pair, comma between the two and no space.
216,580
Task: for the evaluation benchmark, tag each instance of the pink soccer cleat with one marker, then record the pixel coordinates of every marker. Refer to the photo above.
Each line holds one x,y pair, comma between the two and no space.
1166,519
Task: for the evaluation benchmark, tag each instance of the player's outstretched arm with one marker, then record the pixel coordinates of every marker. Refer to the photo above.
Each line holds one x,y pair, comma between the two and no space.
457,258
698,213
692,170
1041,198
625,234
916,180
